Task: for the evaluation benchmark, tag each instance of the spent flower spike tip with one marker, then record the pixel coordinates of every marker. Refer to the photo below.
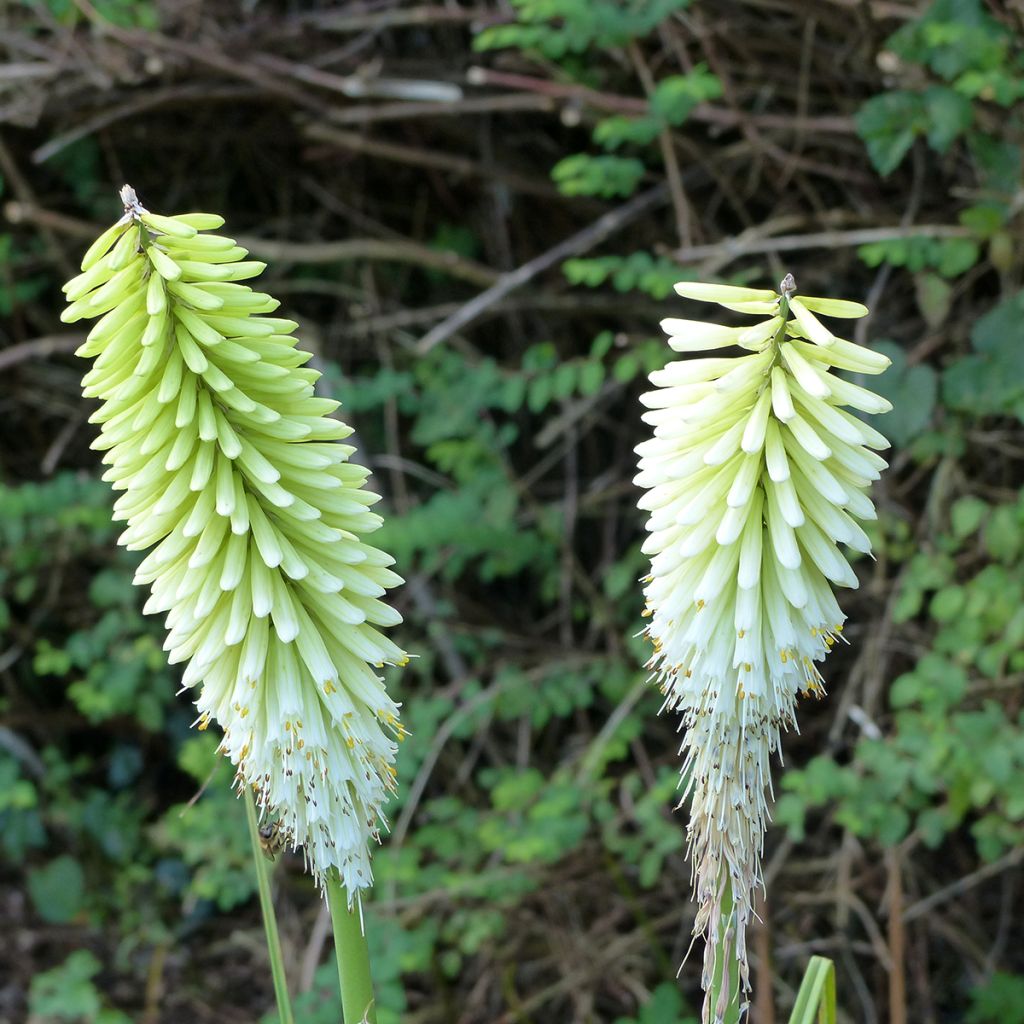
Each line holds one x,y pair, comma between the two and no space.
232,467
755,475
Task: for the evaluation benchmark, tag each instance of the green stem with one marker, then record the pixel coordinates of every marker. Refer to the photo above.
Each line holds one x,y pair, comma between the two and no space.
725,966
284,1004
354,980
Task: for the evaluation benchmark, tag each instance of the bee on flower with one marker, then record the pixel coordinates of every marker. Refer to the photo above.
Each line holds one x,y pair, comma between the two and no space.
755,480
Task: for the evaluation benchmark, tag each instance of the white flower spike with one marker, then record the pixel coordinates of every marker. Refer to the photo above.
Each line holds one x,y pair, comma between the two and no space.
754,477
231,466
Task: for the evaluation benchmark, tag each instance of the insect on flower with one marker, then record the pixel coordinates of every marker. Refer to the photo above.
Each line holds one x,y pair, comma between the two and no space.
756,474
273,838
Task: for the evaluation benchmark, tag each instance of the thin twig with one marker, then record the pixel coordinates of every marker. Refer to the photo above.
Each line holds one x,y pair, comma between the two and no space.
633,105
347,250
729,249
416,156
582,241
39,348
897,942
965,884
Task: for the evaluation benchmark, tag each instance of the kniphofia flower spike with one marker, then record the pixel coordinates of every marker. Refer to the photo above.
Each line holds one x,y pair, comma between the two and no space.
755,476
234,470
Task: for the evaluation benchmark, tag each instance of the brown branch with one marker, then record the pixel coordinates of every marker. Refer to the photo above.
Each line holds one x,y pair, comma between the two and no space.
580,242
357,142
139,105
500,103
386,249
39,348
632,105
897,940
339,21
729,249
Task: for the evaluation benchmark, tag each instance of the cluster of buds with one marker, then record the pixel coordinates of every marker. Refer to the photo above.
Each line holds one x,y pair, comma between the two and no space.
755,475
233,473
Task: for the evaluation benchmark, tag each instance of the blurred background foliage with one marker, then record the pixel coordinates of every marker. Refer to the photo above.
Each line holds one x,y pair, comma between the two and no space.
568,160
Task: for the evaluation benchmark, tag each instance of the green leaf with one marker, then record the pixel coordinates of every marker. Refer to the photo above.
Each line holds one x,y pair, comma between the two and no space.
816,999
58,889
966,515
947,604
992,379
620,130
888,124
605,176
934,297
949,115
912,391
1004,535
676,96
999,1001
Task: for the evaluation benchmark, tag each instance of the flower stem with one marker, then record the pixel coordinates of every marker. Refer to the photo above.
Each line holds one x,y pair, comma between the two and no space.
725,1005
284,1004
354,980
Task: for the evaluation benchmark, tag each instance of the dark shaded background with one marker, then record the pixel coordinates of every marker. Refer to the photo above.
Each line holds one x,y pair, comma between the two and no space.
393,162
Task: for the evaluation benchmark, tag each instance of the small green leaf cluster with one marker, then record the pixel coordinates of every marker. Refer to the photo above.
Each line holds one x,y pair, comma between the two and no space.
990,380
69,993
608,175
604,176
954,751
97,659
208,835
975,59
949,257
1000,1001
568,31
122,13
671,104
639,271
665,1006
556,28
986,381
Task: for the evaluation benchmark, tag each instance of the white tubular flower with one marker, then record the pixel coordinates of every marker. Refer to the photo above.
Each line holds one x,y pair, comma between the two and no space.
755,476
232,468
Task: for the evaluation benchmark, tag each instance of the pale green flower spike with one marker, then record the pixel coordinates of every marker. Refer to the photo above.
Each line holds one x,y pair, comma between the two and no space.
754,476
232,468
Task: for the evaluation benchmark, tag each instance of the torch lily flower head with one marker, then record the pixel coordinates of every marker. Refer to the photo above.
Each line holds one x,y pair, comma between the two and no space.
233,474
755,477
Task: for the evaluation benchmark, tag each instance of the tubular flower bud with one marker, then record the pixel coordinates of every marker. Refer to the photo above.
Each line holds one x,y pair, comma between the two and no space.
754,480
231,471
